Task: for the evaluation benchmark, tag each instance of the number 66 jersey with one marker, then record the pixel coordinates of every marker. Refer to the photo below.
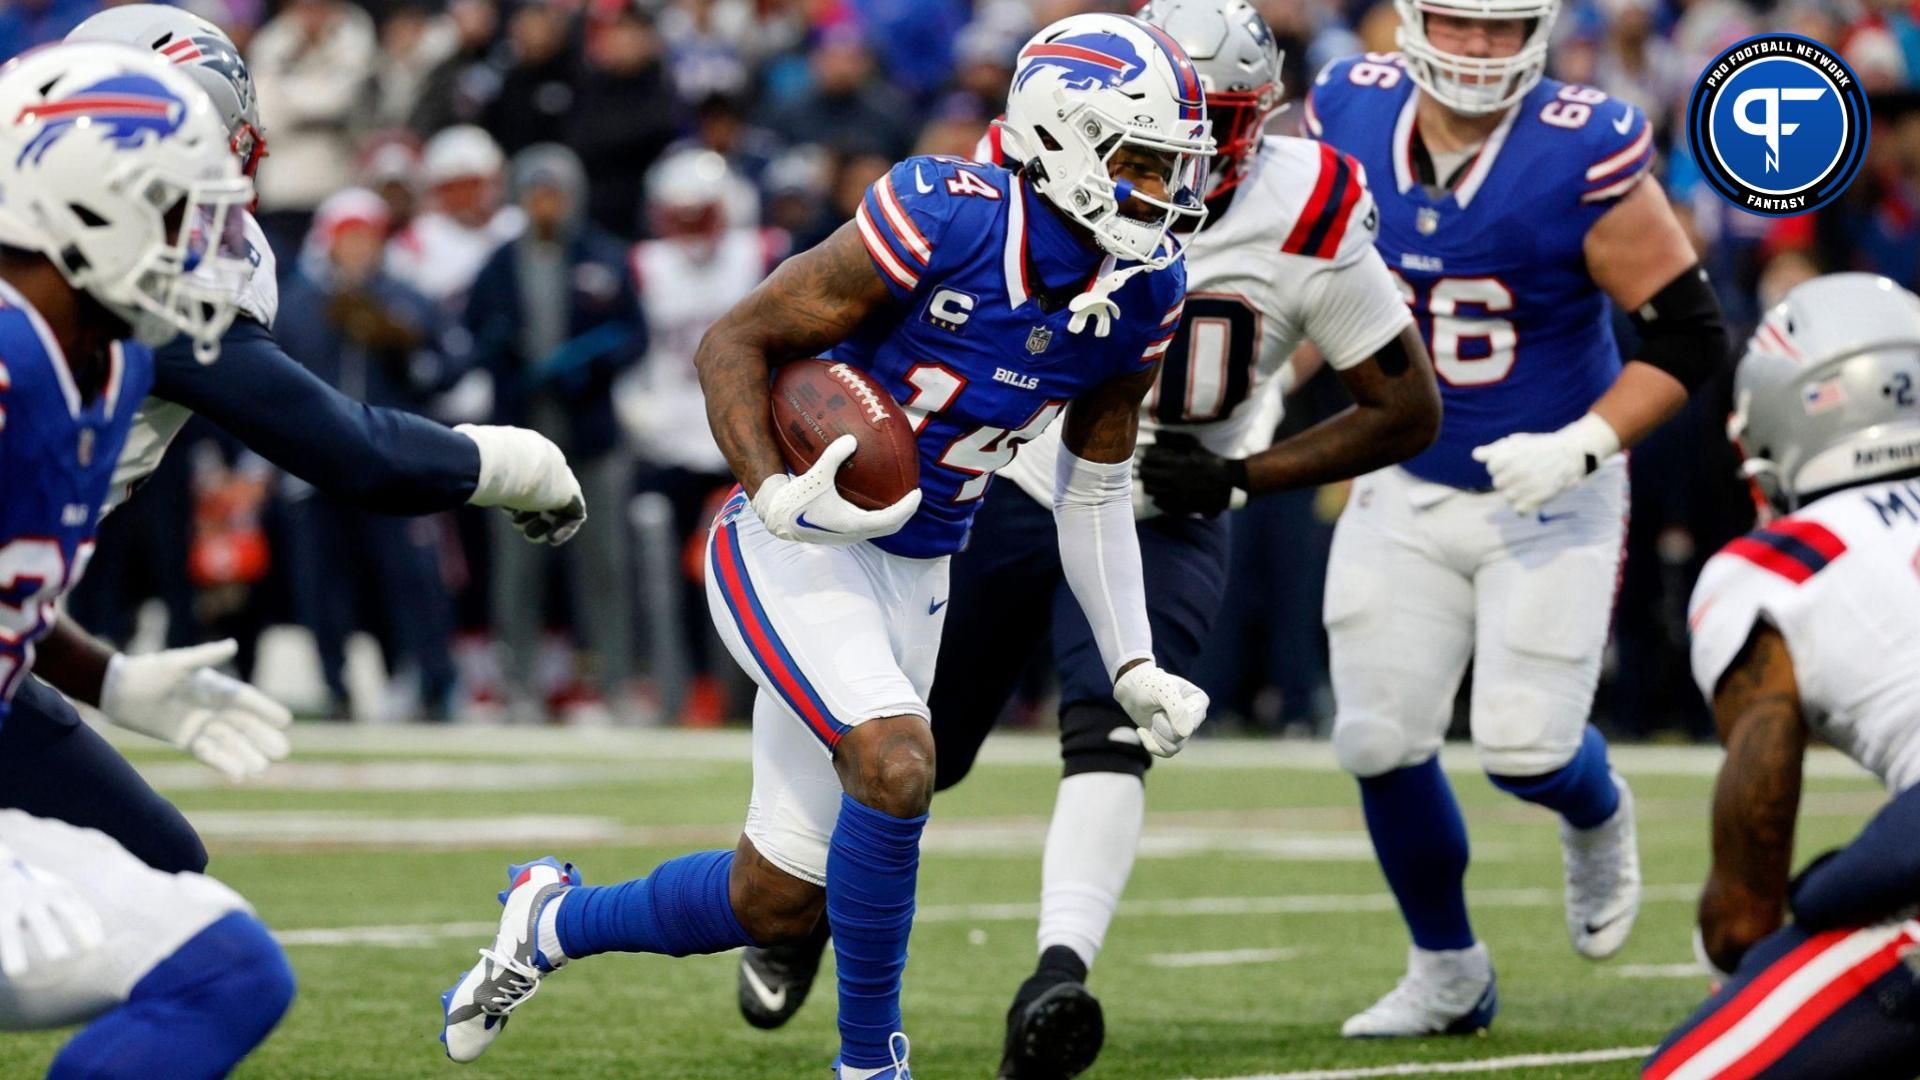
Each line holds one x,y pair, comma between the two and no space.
1494,267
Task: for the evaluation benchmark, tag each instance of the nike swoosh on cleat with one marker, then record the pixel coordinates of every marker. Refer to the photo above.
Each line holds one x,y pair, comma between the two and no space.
1626,121
920,182
770,999
1548,519
1594,928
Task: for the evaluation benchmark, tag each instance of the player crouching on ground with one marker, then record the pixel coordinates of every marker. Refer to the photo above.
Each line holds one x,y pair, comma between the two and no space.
989,303
117,180
1809,628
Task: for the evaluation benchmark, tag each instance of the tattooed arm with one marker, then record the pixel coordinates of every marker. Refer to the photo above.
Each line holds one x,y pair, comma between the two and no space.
1755,800
811,303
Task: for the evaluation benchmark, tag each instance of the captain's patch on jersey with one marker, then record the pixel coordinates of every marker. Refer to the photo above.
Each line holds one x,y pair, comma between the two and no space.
1778,124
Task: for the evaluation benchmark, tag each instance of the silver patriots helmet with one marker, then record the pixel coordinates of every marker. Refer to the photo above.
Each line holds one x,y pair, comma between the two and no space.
1827,394
1239,64
201,50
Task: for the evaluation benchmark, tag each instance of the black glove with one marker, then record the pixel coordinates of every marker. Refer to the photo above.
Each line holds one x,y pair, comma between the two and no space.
1183,477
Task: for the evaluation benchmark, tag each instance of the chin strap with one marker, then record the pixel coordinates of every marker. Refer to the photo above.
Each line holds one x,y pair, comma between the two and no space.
1096,304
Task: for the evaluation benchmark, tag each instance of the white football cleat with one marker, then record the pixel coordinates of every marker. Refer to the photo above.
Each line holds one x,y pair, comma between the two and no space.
509,972
1603,880
1443,993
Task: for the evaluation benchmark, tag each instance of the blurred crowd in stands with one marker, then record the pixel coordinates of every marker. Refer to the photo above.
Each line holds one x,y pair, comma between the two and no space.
569,191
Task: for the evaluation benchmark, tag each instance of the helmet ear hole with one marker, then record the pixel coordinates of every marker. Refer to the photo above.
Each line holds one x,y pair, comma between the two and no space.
1047,140
86,215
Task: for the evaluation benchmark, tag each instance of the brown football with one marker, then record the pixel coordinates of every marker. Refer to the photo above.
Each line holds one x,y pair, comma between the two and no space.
815,402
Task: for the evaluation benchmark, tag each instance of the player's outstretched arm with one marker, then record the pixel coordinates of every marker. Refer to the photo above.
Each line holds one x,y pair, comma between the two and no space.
811,303
1755,799
1395,415
174,695
1100,553
1638,254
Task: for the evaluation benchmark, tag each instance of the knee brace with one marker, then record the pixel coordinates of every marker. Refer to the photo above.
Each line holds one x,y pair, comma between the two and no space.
1369,746
1100,738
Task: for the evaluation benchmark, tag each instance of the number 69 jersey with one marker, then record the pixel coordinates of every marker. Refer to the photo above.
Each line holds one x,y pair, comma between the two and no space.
1494,268
977,347
1290,259
57,455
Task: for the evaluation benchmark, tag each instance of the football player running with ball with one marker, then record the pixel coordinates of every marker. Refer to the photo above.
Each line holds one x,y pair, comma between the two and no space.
1512,209
1285,255
989,303
1808,629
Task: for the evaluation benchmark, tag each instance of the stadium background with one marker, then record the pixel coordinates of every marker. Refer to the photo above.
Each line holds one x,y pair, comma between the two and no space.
807,100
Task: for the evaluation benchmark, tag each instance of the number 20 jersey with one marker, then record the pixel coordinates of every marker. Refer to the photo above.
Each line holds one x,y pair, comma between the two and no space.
57,456
980,363
1495,269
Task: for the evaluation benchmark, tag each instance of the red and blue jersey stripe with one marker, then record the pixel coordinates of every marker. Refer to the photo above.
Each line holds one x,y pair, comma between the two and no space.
1795,550
729,568
1322,223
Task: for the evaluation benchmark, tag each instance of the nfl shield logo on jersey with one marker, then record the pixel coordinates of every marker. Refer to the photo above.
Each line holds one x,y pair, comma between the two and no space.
1039,339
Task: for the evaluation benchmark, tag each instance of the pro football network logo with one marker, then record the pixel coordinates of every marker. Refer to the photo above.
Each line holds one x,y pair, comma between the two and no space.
1778,124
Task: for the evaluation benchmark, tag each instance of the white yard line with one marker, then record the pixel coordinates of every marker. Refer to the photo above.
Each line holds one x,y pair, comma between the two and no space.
1221,957
1656,971
1482,1065
408,935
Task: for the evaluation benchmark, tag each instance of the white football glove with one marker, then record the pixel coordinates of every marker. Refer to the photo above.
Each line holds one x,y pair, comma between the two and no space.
1166,707
1530,469
177,697
809,509
43,918
522,472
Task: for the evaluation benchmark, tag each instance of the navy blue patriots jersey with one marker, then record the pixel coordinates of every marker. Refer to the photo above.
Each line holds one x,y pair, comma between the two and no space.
57,454
1494,268
977,348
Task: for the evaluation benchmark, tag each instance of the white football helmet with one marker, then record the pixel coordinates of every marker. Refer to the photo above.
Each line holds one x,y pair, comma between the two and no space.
1828,392
204,52
1476,86
1234,51
116,167
1083,88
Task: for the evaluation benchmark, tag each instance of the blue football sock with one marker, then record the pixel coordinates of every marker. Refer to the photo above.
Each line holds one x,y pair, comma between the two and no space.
873,864
1421,842
1581,791
680,909
194,1016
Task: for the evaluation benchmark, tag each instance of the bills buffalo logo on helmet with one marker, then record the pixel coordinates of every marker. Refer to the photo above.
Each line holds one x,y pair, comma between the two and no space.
127,109
1085,61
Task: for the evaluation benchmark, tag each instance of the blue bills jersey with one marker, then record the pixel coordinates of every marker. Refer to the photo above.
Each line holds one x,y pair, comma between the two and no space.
976,347
57,454
1494,267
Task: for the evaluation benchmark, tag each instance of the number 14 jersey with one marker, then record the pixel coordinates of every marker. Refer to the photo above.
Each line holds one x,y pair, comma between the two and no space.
1290,259
1494,268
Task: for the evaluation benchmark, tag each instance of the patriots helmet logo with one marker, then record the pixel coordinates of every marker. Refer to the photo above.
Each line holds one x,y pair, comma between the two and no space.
126,109
1085,61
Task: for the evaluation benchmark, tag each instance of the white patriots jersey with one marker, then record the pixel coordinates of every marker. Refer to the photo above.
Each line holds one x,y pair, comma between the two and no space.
660,401
1840,581
158,420
1291,260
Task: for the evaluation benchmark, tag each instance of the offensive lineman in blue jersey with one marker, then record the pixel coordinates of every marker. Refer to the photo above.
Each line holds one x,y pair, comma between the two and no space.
53,765
108,159
1512,208
988,302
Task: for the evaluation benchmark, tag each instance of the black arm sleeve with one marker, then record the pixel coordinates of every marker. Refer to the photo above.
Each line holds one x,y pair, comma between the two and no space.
382,459
1681,331
1868,880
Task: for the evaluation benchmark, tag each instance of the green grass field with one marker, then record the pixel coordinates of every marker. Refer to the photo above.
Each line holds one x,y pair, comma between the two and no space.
1255,922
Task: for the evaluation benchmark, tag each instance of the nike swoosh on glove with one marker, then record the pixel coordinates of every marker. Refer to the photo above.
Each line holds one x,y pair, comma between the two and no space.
524,473
43,918
809,509
1530,469
177,696
1165,707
